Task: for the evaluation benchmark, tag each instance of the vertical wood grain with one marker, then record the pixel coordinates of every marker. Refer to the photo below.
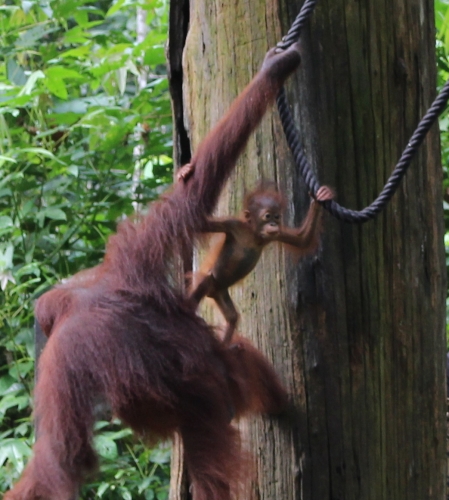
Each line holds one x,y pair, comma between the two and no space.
357,331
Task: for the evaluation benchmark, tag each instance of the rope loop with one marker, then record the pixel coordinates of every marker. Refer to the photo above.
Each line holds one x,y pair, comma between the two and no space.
306,172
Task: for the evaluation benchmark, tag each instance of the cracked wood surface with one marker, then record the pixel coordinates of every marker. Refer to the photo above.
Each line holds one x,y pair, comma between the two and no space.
356,332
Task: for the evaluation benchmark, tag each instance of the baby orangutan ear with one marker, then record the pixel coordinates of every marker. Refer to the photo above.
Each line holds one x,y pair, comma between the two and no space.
247,215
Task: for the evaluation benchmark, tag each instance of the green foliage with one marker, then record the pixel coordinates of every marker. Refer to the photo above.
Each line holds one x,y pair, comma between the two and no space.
81,143
128,470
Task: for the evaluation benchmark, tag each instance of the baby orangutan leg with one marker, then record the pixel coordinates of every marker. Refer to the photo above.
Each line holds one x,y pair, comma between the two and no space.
207,287
227,308
202,289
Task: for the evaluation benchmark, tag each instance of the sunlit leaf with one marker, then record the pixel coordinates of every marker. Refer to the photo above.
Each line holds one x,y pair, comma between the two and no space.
31,82
125,494
115,8
61,72
5,221
6,158
42,152
15,451
102,489
27,5
81,17
76,35
106,447
160,455
79,52
57,87
6,256
121,78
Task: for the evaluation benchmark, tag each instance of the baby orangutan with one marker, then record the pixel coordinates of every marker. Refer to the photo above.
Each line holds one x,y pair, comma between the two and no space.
245,238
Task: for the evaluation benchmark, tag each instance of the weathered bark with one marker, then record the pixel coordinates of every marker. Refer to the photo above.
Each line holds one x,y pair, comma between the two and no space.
356,332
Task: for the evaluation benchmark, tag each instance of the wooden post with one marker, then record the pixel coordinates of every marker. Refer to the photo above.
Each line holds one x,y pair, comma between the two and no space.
357,331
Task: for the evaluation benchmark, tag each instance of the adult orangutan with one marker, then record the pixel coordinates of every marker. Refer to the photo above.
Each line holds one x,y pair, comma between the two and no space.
123,332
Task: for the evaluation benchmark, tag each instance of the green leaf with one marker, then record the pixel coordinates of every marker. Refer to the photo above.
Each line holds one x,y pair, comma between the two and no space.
29,37
122,73
78,106
6,222
15,451
162,494
115,8
31,82
54,213
6,158
76,35
57,87
6,256
102,489
28,269
21,369
7,384
149,495
21,100
27,5
11,401
15,72
9,8
46,9
106,447
80,52
160,455
81,17
146,483
62,72
126,495
41,152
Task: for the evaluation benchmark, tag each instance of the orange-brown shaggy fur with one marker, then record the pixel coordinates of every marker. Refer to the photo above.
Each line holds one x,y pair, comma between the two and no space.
123,332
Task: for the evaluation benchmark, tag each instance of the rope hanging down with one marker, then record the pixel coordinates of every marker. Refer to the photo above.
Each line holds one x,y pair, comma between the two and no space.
300,158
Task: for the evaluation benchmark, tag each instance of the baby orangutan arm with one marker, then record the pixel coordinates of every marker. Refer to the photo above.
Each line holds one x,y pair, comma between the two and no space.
306,237
227,226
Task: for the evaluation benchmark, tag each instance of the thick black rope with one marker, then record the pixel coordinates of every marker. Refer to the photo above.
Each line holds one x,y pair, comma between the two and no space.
300,158
295,30
393,182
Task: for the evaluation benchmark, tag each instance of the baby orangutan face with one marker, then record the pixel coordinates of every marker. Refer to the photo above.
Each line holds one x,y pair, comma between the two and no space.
265,217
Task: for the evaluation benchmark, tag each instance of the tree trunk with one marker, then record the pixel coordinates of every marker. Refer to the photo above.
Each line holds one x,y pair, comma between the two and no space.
357,331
